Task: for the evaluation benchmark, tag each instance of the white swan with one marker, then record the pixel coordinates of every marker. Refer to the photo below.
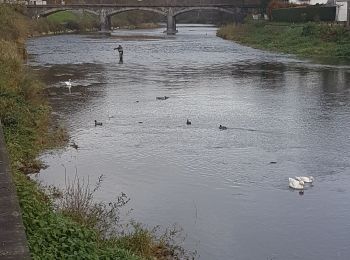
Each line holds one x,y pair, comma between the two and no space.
306,179
295,184
68,84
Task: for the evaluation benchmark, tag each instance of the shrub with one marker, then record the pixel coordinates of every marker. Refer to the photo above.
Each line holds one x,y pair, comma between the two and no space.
337,34
304,14
77,202
72,25
310,29
14,25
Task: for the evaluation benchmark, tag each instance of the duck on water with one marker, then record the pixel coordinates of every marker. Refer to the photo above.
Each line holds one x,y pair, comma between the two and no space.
162,98
98,123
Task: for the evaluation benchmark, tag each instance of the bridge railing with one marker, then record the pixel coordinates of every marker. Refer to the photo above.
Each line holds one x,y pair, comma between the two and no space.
153,3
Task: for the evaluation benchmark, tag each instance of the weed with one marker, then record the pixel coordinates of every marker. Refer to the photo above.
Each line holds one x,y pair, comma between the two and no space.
76,201
306,40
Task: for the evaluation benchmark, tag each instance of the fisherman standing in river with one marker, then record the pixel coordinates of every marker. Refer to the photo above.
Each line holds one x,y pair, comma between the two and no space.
120,50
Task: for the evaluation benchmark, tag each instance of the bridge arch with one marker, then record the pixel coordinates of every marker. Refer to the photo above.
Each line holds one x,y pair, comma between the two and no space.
56,10
123,10
186,10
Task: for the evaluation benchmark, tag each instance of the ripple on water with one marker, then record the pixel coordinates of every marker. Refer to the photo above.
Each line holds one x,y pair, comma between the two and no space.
277,109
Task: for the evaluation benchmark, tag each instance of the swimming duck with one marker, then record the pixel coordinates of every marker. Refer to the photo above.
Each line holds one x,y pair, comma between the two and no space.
295,184
162,98
74,145
97,123
305,179
188,122
221,127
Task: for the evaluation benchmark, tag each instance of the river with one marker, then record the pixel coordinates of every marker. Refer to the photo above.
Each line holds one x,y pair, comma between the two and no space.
228,189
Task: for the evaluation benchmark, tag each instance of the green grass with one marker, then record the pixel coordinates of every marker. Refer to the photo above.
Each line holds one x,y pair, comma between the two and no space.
67,21
69,16
63,17
52,235
304,40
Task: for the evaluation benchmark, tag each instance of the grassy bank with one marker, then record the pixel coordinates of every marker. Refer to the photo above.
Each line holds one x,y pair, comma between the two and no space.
304,40
67,21
69,225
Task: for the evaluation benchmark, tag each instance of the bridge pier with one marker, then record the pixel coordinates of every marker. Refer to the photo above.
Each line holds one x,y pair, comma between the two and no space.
238,16
171,23
105,22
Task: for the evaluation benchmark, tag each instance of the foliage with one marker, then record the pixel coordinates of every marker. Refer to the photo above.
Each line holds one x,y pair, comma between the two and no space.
277,4
14,25
305,40
66,21
23,111
75,21
51,235
77,202
304,14
44,25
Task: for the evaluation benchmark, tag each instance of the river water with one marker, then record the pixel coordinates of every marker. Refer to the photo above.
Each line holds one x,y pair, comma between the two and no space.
227,189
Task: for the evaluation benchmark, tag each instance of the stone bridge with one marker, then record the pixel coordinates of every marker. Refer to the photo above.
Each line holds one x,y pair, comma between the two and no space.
168,8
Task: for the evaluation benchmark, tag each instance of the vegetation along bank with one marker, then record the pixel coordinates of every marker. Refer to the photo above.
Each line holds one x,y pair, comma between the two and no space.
312,39
60,224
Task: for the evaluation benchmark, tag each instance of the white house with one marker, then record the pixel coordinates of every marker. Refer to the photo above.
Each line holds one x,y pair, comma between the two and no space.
37,2
342,10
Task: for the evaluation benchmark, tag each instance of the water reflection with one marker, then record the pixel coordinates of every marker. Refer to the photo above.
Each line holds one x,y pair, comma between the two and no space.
219,185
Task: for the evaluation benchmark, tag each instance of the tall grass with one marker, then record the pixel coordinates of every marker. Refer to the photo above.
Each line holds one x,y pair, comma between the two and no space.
305,40
113,226
52,235
14,25
67,21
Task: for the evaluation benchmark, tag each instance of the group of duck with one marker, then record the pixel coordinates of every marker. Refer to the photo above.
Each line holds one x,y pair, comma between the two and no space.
188,122
299,182
221,127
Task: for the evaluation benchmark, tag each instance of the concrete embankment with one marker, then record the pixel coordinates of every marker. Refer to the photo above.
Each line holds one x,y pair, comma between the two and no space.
13,241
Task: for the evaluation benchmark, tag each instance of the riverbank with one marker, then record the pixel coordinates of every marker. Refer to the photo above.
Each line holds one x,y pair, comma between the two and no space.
314,40
60,224
82,22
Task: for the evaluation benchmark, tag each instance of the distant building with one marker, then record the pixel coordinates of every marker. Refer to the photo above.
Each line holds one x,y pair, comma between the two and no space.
37,2
342,7
342,11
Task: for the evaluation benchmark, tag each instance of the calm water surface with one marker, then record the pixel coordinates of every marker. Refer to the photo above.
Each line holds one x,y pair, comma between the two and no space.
220,186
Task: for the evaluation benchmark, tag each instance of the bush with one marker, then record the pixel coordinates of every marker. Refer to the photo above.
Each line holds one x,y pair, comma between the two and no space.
310,29
14,25
52,236
304,14
72,25
77,202
337,34
308,40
